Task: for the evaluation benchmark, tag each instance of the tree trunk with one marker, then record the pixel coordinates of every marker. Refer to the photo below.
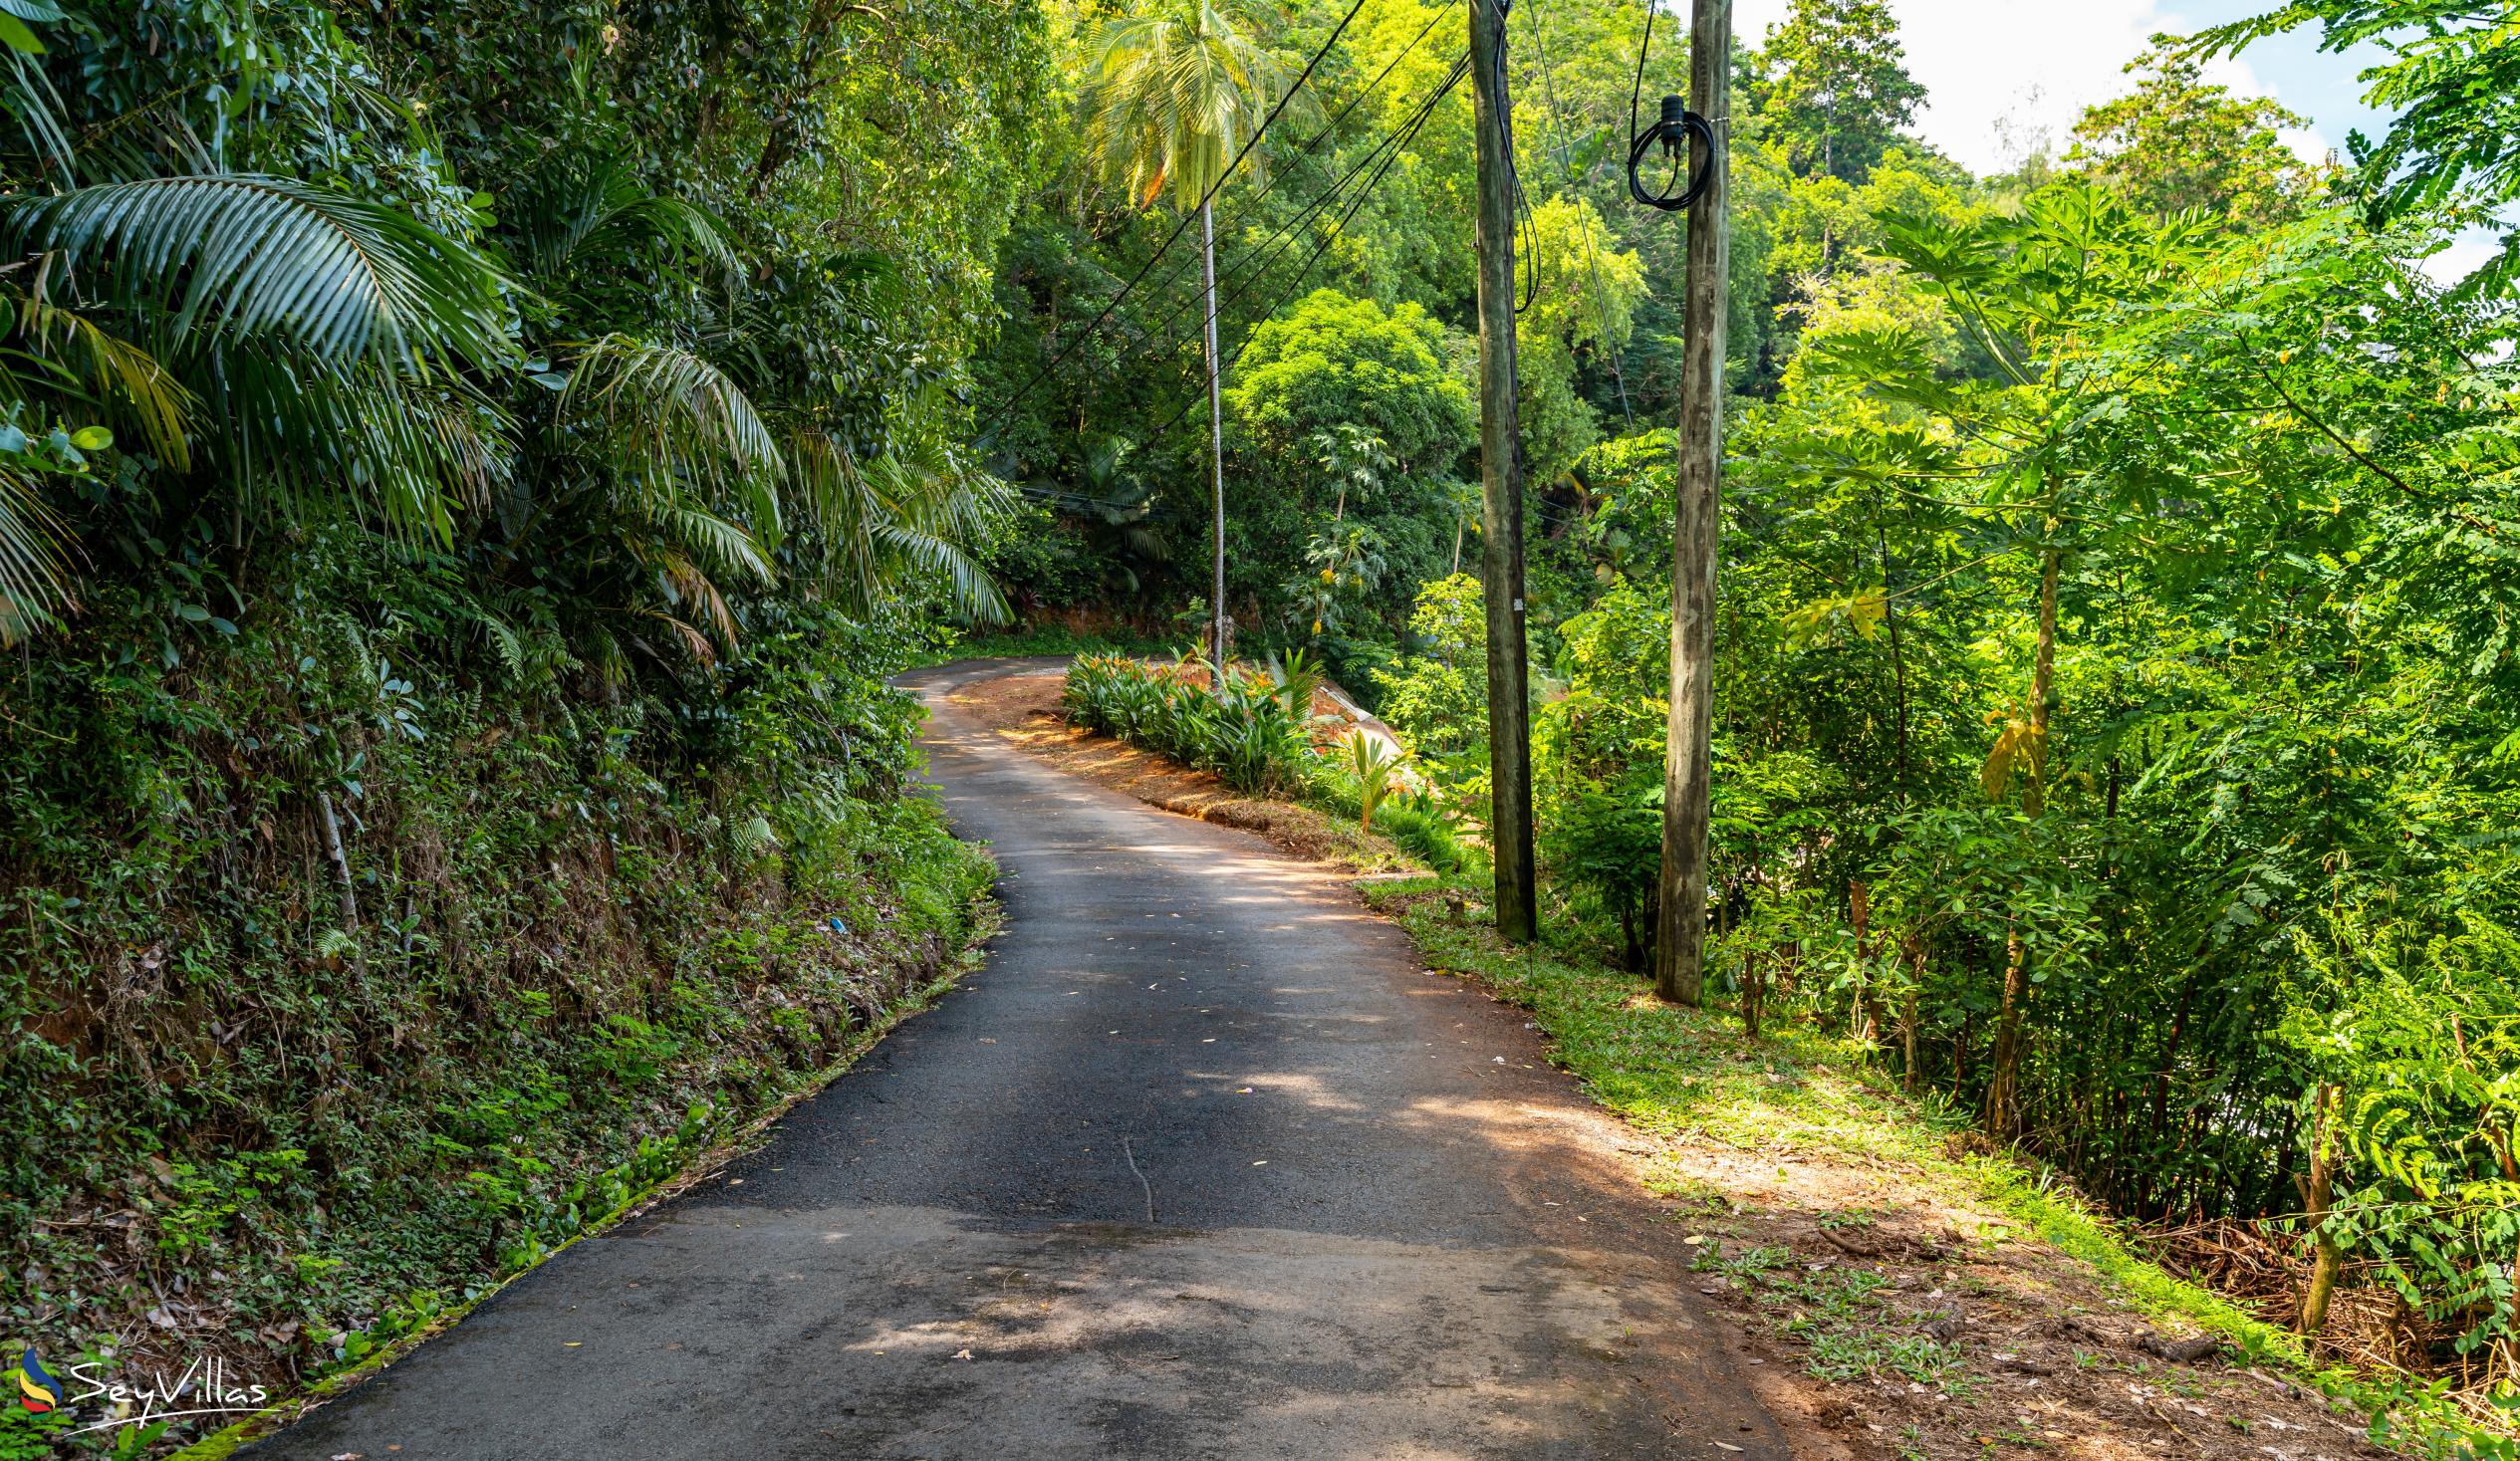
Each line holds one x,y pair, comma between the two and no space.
1868,995
2000,1085
1680,949
1217,647
1502,486
2042,685
1913,1079
333,854
1899,658
2317,1192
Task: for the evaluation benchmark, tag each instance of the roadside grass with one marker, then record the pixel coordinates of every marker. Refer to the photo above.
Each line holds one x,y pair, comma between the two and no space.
1031,641
1690,1075
1692,1078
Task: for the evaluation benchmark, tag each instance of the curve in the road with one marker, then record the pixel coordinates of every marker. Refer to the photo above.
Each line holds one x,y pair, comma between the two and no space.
1203,1165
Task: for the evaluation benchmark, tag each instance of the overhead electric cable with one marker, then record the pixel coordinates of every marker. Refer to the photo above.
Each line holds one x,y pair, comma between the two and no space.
1461,68
1244,206
1239,153
1253,260
1591,252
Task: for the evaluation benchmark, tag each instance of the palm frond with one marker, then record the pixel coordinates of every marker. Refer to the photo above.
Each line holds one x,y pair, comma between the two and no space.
695,643
944,565
905,519
134,391
34,558
221,258
686,583
1170,101
840,507
723,544
37,104
576,203
301,438
669,415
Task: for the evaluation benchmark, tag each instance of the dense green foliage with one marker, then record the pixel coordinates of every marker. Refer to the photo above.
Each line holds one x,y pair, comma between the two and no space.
468,470
2448,83
470,466
1259,734
2117,668
1245,730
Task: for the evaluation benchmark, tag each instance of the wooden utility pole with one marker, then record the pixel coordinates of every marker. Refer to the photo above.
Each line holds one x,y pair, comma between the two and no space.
1680,948
1501,483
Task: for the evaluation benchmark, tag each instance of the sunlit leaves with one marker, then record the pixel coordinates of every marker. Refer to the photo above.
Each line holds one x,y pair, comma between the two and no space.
220,259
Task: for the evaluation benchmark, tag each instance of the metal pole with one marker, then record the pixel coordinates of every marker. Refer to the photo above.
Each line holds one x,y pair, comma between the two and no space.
1216,442
1680,948
1501,483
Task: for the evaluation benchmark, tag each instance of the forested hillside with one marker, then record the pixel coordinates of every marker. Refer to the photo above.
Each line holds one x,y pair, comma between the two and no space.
468,469
2116,667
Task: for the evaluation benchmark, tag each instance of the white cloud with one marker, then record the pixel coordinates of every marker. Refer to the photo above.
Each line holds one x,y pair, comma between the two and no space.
2468,252
1990,66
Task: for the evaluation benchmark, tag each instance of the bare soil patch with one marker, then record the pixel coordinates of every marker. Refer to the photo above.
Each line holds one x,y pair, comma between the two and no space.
1024,708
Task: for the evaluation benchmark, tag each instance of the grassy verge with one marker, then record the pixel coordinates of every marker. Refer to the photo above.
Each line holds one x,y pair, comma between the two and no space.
1030,641
1690,1075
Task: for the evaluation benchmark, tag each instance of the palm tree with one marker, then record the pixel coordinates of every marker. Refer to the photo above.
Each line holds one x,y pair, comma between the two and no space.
1172,99
300,350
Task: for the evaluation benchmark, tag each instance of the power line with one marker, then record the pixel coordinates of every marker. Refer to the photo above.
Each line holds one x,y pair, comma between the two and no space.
1245,206
1257,257
1591,252
1398,143
1401,139
1241,153
1524,223
1081,502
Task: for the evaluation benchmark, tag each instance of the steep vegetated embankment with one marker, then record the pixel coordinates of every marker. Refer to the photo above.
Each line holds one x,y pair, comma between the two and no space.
467,468
344,977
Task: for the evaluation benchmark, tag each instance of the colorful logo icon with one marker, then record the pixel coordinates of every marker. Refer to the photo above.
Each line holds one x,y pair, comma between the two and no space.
37,1391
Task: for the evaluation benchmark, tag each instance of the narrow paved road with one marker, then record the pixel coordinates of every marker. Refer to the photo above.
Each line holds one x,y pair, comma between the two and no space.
1201,1166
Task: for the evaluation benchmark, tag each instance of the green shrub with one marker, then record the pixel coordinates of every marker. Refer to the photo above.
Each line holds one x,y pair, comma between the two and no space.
1422,832
1243,731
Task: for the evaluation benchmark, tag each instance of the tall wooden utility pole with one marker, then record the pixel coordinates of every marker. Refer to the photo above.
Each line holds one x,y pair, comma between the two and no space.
1679,947
1501,483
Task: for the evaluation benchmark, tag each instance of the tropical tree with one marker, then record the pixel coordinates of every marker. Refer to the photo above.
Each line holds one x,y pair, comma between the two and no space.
1839,91
1172,99
2179,142
2452,71
2041,437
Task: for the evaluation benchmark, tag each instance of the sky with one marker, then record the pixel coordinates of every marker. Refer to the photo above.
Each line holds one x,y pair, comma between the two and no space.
1997,72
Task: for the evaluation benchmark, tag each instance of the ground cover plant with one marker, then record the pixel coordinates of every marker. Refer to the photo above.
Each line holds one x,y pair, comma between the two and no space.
466,473
1949,1298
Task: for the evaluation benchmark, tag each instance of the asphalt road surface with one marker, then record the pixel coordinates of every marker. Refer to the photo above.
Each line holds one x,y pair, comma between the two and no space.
1202,1164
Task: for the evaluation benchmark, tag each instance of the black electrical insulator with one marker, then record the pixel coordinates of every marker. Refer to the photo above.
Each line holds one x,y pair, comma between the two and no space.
1674,130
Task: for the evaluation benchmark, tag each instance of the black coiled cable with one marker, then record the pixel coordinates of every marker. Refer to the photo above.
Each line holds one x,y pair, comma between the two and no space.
1672,129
